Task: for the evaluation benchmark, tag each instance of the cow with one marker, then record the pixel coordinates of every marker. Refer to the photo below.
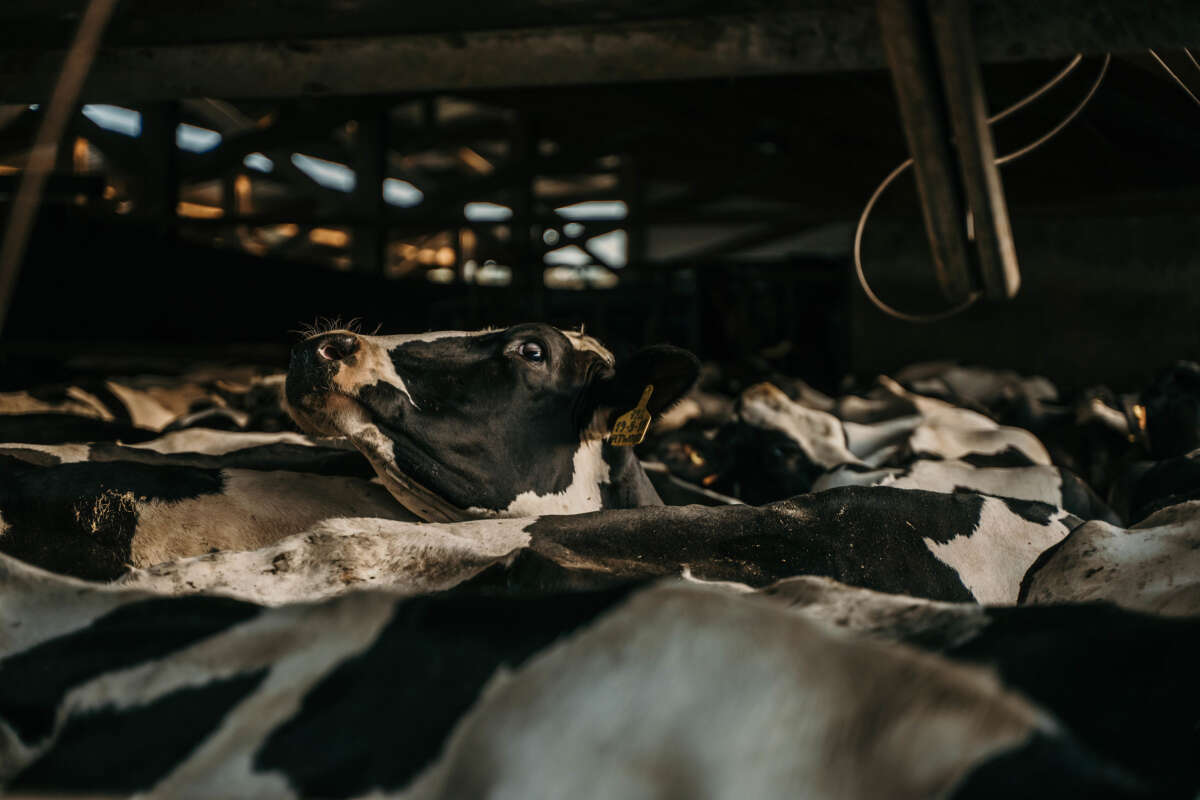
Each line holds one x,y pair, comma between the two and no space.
1167,415
1144,487
697,409
233,399
1092,436
237,399
953,547
1063,657
181,475
1151,566
95,510
780,447
210,449
54,428
991,391
60,399
914,427
628,691
1051,485
616,712
505,423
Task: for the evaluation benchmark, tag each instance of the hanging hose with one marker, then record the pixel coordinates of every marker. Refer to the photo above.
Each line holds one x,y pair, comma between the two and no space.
1176,78
1005,159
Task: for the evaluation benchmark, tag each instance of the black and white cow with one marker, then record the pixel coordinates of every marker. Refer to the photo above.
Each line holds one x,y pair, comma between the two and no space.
235,399
1151,566
1051,485
933,429
993,391
600,694
208,448
94,402
508,423
1062,657
781,447
95,510
960,547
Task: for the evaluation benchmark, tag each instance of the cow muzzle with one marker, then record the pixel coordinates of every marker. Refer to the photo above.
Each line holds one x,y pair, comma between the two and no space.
314,364
334,347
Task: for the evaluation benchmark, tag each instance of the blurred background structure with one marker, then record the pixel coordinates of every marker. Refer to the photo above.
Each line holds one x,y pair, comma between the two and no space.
681,171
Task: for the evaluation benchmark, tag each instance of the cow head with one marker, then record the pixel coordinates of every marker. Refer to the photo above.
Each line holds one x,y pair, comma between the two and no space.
510,422
1169,419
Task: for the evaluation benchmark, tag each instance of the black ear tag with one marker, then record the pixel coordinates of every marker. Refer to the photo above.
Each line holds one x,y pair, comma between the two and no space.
630,428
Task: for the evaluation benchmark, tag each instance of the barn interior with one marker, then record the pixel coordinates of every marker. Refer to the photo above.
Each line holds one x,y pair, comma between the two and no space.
690,173
858,454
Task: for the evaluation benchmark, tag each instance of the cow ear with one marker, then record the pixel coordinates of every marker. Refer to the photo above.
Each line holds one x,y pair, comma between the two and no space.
672,372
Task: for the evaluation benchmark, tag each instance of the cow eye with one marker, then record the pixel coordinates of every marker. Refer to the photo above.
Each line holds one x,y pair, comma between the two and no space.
532,351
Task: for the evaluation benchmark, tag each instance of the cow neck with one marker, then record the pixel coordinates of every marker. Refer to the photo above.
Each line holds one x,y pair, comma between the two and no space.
629,485
426,504
423,502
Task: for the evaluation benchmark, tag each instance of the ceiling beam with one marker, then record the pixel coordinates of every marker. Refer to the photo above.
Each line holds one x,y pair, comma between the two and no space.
813,37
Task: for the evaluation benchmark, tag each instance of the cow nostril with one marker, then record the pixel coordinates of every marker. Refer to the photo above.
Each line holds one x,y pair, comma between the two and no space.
337,348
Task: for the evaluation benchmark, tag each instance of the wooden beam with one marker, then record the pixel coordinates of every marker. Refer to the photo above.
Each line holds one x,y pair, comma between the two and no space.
656,50
925,118
962,84
803,37
295,128
59,186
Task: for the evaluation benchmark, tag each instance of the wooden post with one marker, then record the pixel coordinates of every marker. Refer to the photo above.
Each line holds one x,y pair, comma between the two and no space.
908,47
963,87
930,49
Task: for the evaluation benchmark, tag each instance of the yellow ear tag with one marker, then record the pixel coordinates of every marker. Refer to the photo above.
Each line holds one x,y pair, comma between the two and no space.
630,428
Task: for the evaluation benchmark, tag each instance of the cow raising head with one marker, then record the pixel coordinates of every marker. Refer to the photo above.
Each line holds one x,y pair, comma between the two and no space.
511,422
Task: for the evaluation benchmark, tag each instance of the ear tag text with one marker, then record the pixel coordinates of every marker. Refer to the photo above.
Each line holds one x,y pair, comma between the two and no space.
630,428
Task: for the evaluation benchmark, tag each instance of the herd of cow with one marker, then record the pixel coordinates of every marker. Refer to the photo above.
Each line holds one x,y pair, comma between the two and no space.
417,566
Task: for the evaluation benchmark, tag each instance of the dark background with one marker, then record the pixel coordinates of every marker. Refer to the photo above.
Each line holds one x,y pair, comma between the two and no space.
741,190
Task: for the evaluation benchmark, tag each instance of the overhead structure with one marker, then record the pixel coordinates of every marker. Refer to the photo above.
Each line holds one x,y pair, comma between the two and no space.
497,151
313,48
930,51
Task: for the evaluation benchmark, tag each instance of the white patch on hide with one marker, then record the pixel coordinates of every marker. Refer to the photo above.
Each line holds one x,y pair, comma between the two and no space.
341,555
66,453
663,693
992,559
1153,566
144,410
589,470
48,605
298,646
893,617
218,443
78,403
952,432
255,509
948,439
1040,484
819,434
876,442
